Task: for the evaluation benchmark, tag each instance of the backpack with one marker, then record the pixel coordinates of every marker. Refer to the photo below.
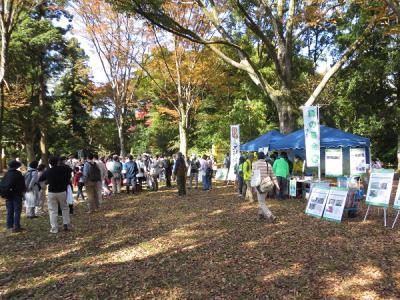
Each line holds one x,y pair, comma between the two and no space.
5,190
94,173
195,165
28,178
209,172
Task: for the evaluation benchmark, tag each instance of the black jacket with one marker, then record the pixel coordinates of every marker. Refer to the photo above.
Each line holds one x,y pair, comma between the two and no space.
13,184
58,178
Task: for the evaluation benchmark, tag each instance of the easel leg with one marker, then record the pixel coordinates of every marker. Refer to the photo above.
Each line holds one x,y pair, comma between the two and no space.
384,216
395,220
366,213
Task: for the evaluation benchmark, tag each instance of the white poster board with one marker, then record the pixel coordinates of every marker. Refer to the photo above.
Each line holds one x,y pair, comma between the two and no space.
316,202
293,188
335,204
312,136
235,151
358,161
380,187
221,174
334,162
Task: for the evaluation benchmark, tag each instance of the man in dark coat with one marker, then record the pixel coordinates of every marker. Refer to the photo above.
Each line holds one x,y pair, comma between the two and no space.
12,188
180,171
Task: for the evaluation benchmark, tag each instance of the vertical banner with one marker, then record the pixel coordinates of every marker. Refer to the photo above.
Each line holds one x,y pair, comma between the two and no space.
380,187
235,151
312,136
316,202
358,162
335,204
333,162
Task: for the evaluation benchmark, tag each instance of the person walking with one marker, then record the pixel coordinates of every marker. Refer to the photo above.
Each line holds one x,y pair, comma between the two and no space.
92,179
227,161
194,171
58,178
42,190
203,170
32,194
12,188
281,170
168,170
247,191
78,183
131,172
239,175
180,170
265,171
116,170
140,175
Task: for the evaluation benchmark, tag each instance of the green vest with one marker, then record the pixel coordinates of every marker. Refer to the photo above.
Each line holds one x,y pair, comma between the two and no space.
247,170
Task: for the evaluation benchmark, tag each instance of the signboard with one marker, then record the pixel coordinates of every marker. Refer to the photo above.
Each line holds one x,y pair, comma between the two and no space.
335,204
334,162
293,188
222,174
316,202
358,162
380,187
312,136
396,204
235,151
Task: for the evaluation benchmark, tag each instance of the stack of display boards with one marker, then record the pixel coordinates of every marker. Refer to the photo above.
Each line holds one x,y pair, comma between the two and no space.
327,202
379,190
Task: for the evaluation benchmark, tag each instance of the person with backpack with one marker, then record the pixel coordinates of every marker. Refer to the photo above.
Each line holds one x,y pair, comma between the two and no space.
131,172
116,169
180,170
58,177
268,181
12,188
32,194
78,183
92,179
194,171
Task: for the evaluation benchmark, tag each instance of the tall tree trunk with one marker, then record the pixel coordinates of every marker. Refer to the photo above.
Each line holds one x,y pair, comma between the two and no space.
121,137
398,151
2,99
121,131
30,151
183,136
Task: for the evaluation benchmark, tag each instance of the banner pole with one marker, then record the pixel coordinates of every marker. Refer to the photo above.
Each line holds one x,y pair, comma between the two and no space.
395,220
366,213
384,216
319,164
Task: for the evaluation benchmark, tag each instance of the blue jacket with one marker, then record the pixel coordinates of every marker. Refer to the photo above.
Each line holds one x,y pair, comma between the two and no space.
131,169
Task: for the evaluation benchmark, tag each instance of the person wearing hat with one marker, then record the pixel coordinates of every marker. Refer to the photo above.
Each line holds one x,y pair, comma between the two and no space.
12,188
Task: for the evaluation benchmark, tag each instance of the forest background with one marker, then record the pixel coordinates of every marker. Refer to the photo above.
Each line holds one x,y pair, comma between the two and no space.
178,74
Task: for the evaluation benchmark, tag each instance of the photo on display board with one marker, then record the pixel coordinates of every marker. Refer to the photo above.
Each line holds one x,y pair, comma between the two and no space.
373,193
329,208
320,200
383,186
312,206
375,185
338,203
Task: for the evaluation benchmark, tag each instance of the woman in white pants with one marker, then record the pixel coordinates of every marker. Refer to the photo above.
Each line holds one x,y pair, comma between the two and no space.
265,170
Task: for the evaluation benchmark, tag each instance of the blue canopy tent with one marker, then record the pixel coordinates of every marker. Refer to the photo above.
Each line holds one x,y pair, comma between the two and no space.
330,138
262,141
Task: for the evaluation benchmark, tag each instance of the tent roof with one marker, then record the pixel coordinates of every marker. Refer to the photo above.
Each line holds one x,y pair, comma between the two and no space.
330,138
262,141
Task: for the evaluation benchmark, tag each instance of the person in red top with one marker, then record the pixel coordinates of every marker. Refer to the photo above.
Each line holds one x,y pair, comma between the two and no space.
78,182
265,170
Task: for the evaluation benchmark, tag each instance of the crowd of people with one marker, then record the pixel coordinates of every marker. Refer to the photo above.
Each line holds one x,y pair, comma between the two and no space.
96,177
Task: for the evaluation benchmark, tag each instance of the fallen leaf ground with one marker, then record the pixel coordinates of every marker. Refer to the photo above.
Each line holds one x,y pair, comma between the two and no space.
207,245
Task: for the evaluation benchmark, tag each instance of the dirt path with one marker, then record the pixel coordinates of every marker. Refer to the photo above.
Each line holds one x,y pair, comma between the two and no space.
207,245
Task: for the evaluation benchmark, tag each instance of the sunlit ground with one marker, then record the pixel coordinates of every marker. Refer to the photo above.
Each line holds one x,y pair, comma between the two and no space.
207,245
